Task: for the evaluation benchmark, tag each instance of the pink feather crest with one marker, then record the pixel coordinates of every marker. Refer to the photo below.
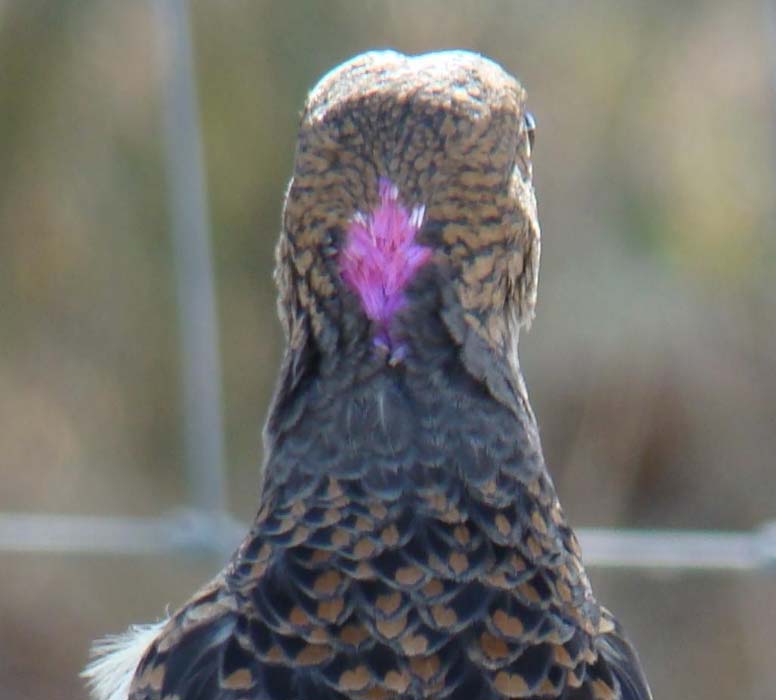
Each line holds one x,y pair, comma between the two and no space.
380,257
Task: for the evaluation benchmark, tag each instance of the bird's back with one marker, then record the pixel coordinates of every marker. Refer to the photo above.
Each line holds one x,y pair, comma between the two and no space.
410,545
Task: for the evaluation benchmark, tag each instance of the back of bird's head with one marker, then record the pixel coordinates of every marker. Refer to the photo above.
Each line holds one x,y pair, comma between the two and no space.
434,149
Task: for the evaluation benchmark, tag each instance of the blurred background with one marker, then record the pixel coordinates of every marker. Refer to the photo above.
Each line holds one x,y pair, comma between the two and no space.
651,363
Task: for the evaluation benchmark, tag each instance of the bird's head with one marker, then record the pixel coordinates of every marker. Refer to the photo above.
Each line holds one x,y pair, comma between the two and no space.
410,172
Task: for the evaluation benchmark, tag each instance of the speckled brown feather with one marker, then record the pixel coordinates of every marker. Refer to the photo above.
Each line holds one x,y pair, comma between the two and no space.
409,542
448,130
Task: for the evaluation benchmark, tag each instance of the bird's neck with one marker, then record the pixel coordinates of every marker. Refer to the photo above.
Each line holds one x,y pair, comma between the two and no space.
428,419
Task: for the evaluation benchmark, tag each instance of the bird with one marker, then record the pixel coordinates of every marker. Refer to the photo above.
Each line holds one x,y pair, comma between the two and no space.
409,543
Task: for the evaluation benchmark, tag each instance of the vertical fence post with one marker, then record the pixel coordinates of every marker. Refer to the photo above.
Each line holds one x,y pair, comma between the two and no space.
198,327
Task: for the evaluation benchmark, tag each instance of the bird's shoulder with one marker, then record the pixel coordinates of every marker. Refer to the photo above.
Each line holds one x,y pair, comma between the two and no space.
193,656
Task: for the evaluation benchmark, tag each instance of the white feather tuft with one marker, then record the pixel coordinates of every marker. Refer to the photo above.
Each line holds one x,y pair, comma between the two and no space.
115,660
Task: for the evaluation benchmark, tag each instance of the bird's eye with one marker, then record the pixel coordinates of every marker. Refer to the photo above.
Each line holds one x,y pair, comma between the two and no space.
530,127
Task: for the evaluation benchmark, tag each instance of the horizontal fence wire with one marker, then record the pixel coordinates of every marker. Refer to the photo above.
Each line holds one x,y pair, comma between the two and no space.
201,532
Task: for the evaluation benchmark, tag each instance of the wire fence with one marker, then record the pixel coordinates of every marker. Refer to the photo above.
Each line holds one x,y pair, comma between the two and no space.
201,532
206,527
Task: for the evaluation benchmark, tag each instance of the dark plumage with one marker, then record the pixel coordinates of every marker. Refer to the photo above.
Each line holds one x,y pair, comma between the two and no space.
409,542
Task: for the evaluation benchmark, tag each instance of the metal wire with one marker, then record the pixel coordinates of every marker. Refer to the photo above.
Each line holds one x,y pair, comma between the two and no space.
197,532
680,549
195,289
